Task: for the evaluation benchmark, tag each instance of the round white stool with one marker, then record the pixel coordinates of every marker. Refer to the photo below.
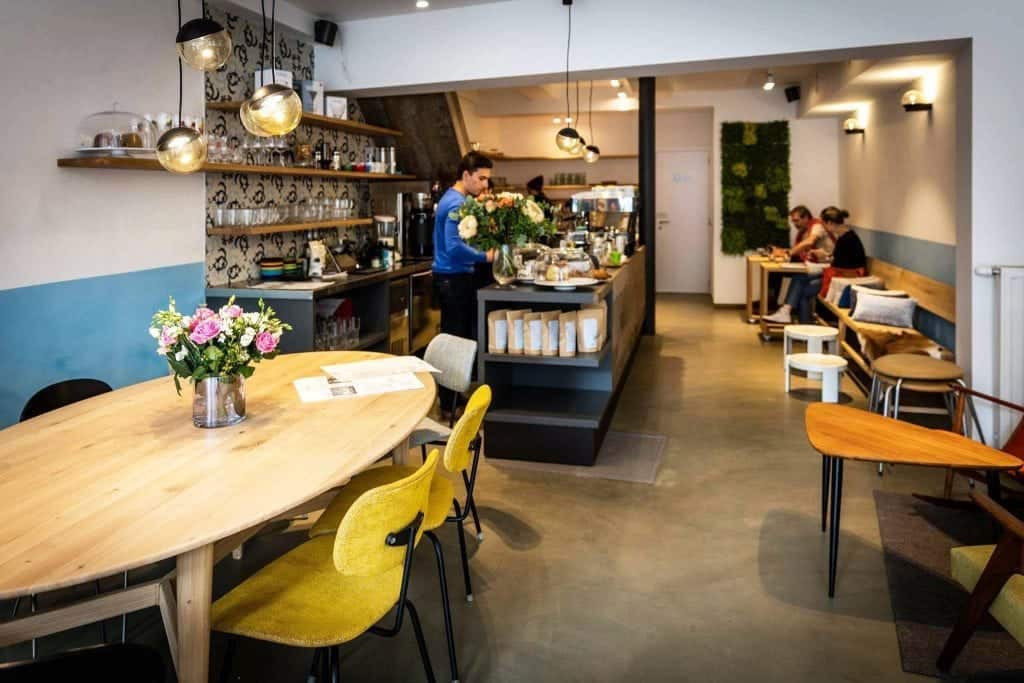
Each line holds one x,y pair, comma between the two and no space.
831,369
816,336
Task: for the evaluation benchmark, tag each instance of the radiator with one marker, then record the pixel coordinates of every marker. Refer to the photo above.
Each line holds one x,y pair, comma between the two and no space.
1009,343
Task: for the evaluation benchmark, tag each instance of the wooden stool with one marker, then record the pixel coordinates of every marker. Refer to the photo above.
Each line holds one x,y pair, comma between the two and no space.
830,368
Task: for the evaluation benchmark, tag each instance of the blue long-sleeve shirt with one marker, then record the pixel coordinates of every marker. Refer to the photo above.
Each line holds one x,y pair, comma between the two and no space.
451,254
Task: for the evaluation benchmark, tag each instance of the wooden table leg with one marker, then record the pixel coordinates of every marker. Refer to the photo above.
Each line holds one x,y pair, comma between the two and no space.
763,308
400,455
195,592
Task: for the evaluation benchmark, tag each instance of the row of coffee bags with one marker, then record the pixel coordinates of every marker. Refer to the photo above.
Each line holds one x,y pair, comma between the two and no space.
547,333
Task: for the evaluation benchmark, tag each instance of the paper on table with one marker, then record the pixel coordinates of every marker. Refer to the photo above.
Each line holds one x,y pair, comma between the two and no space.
382,367
314,389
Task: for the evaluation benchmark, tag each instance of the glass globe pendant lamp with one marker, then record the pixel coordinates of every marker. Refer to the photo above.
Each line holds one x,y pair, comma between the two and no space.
181,150
204,44
591,153
272,110
567,139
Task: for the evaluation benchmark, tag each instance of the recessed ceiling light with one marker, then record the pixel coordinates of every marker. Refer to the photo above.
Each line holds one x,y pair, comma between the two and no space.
556,120
769,83
568,119
616,83
422,4
621,94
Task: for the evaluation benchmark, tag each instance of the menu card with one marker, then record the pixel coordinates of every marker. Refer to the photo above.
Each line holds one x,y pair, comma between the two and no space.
383,367
315,389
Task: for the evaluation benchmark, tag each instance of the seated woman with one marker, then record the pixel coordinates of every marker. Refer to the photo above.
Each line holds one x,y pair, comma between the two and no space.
816,244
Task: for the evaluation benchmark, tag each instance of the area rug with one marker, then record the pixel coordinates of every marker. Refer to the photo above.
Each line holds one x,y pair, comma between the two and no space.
926,602
624,456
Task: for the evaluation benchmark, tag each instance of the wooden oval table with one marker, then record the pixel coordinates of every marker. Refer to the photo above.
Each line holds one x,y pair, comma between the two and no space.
124,479
843,433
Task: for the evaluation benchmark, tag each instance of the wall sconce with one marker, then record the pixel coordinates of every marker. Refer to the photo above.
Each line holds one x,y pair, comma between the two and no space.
851,126
914,100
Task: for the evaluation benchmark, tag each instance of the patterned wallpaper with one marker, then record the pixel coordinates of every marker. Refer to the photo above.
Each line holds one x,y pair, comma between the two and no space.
235,259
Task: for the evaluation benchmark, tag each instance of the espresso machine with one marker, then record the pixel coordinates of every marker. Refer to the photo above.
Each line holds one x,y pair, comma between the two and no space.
415,216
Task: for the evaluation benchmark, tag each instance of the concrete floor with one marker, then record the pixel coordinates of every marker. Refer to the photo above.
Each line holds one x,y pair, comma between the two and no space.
716,573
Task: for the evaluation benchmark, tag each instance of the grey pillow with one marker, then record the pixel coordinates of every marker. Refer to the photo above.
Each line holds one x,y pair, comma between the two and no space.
856,290
885,310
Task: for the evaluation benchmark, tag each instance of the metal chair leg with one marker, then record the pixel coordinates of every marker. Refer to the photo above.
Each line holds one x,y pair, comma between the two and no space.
445,605
462,548
314,667
424,655
896,402
124,617
229,657
873,394
472,510
34,605
103,624
334,654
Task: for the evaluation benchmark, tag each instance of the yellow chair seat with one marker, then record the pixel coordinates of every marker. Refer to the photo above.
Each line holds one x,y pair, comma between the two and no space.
442,492
301,599
967,563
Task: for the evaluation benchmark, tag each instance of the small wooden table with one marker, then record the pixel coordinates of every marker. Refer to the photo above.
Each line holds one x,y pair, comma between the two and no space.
786,269
122,480
842,433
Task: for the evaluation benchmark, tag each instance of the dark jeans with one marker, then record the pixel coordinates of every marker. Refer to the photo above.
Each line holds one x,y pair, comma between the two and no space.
456,295
802,290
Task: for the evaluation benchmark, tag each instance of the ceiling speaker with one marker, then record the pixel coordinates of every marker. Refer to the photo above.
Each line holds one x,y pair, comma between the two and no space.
324,32
793,93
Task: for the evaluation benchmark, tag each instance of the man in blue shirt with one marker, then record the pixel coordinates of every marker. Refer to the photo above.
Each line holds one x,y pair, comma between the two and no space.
454,260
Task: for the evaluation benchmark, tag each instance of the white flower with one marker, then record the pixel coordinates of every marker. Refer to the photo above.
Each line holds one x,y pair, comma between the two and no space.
248,336
251,318
154,332
532,210
490,206
180,355
162,351
467,227
186,321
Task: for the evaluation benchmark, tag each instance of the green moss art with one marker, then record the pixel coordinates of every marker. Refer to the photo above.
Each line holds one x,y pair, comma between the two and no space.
755,185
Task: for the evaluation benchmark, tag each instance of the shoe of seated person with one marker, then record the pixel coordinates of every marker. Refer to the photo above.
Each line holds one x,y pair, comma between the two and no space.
784,316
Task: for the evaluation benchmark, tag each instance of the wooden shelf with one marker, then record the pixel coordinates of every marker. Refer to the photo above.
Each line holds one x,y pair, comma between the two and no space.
320,121
135,164
234,230
567,188
580,360
502,157
549,406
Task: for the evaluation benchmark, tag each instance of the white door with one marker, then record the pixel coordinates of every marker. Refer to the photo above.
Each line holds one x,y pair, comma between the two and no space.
683,238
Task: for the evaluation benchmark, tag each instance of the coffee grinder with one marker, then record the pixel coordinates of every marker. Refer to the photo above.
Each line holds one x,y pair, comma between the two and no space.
416,218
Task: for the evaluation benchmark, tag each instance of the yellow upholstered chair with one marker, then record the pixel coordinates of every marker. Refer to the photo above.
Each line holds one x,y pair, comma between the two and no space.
461,454
993,574
336,587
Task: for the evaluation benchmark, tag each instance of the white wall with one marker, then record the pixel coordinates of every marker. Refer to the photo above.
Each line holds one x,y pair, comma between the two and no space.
76,59
900,176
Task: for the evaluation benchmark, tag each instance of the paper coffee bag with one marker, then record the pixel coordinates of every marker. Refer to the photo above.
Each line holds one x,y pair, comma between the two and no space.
550,343
497,331
516,332
567,334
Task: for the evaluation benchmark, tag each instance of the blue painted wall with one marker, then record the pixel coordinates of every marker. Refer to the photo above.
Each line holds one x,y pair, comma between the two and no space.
90,328
935,260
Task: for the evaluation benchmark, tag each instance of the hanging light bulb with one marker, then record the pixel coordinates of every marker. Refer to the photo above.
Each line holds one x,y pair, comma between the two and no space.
272,110
204,44
591,153
181,150
769,83
567,139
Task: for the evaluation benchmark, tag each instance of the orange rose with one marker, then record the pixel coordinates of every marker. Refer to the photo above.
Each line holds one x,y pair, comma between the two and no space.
506,202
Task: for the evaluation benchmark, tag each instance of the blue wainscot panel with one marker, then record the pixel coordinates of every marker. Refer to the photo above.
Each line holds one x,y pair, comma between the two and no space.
90,328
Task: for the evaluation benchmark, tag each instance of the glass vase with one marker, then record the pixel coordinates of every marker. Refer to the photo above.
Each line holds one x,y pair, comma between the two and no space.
218,401
504,266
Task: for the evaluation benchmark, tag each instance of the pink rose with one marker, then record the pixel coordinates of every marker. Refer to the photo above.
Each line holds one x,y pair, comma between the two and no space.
205,331
266,342
232,311
166,338
202,313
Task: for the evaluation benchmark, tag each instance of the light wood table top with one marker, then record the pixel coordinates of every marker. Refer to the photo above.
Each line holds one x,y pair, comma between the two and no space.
853,434
125,479
916,366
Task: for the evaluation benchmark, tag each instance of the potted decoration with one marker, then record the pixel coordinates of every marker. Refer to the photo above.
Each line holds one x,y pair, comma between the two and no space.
502,222
216,351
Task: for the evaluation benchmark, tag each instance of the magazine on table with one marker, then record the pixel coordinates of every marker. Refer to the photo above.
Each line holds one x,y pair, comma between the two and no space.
315,389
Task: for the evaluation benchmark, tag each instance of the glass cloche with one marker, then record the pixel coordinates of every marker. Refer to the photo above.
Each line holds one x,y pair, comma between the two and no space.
116,132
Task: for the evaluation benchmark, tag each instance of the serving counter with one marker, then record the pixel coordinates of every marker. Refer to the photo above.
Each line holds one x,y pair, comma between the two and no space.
553,408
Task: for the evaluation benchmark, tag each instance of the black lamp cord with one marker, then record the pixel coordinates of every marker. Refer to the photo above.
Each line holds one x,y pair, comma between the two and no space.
180,77
273,40
590,116
568,43
263,42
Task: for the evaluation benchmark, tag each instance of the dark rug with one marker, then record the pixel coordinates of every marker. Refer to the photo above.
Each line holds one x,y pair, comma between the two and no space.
926,602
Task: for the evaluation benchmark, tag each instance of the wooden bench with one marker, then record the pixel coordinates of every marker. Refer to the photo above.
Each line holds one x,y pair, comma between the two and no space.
933,296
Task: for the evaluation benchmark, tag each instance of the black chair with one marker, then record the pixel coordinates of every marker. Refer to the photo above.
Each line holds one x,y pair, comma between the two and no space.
51,398
109,663
62,394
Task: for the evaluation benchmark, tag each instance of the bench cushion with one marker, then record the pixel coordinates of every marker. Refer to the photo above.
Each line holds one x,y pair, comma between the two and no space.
966,565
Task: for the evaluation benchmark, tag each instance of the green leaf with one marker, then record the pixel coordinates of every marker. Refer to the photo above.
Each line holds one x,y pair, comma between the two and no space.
246,371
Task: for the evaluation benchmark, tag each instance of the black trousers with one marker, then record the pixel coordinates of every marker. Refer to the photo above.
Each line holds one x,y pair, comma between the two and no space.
456,295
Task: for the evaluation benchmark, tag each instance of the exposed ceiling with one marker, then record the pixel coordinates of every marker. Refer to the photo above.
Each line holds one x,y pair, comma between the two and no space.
348,10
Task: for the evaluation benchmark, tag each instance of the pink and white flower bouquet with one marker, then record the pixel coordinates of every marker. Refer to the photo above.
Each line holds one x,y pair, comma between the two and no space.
210,343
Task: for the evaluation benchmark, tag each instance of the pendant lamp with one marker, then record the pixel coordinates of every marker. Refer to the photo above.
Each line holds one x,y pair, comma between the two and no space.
203,43
591,152
181,149
273,109
567,139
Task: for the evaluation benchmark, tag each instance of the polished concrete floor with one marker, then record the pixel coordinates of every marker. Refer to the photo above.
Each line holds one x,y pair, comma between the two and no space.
716,573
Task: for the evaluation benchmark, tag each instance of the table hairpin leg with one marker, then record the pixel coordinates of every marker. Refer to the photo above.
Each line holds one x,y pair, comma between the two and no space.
826,466
833,539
